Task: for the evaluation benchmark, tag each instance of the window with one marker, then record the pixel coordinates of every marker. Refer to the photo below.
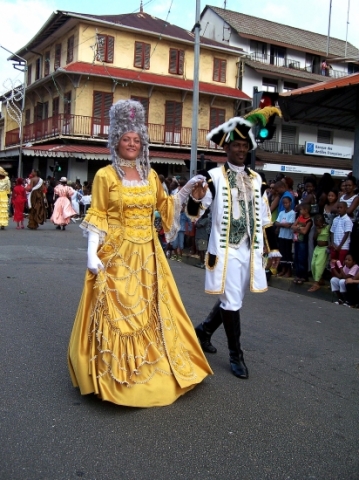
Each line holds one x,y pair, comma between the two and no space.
176,61
29,71
145,103
217,116
55,106
57,61
258,51
269,85
142,55
277,56
38,112
173,122
288,86
38,69
105,48
102,102
47,64
324,136
289,137
27,116
45,110
66,128
219,70
70,49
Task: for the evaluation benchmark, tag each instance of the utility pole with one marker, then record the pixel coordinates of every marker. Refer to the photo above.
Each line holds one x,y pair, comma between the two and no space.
330,16
195,107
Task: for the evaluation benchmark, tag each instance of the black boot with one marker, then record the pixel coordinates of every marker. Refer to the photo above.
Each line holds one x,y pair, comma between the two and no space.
206,329
232,327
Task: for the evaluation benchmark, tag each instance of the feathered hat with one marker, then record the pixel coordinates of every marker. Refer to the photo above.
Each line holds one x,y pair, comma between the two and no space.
241,128
3,172
128,116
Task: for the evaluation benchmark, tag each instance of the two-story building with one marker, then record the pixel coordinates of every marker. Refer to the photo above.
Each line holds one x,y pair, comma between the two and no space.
78,65
280,58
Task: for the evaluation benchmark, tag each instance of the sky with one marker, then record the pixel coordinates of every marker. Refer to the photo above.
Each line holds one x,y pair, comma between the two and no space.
22,19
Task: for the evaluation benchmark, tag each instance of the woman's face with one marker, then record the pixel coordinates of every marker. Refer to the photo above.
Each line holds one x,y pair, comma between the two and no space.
349,186
332,198
309,187
129,146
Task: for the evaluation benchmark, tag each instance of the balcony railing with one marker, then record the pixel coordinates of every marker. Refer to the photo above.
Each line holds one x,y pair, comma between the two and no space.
79,126
279,147
290,63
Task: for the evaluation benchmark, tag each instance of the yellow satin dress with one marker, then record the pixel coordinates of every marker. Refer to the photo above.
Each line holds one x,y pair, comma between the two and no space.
132,342
5,190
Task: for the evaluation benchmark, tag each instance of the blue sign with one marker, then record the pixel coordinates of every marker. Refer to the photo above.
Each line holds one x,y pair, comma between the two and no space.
309,147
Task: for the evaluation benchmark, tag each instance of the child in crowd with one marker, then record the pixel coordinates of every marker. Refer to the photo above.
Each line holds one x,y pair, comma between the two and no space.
320,254
203,228
178,242
352,287
330,210
340,234
340,275
301,228
284,222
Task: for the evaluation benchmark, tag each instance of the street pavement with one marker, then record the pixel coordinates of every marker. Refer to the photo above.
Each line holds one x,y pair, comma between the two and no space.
296,417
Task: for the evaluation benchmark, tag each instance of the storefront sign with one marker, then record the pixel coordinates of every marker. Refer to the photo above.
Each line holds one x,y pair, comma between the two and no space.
327,150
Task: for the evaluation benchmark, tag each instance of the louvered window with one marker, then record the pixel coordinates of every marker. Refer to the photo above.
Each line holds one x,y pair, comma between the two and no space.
105,48
67,103
29,72
145,103
176,61
57,62
47,64
102,102
324,136
142,55
27,116
173,122
70,49
219,70
66,127
37,69
217,116
55,107
38,111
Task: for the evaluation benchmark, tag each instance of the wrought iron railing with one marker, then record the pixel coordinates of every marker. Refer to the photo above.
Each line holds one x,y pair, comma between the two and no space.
279,147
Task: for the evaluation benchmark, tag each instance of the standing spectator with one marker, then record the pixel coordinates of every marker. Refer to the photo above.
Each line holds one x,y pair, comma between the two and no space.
18,201
325,185
340,274
325,68
320,254
284,222
5,190
63,210
85,200
330,210
164,185
203,228
178,242
75,201
301,228
50,196
350,197
340,234
37,215
282,192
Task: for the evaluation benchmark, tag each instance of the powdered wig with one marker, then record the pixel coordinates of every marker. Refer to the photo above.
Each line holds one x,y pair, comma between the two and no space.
128,116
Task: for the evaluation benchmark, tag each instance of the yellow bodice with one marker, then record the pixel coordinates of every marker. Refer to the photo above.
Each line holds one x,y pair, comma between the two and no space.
138,204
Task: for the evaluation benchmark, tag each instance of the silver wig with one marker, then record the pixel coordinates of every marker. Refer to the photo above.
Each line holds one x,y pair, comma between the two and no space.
128,116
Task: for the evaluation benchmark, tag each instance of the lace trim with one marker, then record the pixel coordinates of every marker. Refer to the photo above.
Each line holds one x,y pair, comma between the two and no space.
89,227
172,234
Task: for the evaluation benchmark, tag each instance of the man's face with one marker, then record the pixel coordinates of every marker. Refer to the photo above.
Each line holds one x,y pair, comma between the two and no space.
237,151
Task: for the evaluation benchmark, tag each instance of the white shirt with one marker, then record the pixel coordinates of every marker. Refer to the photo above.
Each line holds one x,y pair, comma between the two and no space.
340,226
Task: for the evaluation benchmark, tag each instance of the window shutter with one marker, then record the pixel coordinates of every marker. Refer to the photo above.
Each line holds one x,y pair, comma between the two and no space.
70,49
47,64
216,70
324,136
38,112
223,71
57,62
217,116
173,61
27,116
29,69
67,103
55,106
138,54
97,103
147,56
180,62
108,100
101,47
110,49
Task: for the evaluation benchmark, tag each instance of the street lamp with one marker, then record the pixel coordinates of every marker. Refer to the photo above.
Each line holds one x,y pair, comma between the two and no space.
21,65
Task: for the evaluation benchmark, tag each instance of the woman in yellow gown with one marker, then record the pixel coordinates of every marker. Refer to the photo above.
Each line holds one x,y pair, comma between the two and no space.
5,190
132,342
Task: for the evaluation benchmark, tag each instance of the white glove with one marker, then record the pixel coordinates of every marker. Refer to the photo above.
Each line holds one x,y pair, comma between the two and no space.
94,264
186,190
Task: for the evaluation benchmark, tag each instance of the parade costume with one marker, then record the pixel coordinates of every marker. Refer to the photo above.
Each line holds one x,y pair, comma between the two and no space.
5,190
63,210
132,342
18,201
37,215
241,228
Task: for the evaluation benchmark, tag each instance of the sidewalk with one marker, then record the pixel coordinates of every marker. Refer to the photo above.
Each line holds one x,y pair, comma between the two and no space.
279,282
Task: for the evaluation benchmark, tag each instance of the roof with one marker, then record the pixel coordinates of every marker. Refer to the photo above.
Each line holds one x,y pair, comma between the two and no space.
279,34
140,22
292,73
122,74
332,104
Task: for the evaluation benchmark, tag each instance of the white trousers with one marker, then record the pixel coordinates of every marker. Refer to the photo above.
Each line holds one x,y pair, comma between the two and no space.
237,277
338,284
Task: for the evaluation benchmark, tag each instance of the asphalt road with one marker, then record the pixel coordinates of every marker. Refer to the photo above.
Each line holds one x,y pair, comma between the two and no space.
295,418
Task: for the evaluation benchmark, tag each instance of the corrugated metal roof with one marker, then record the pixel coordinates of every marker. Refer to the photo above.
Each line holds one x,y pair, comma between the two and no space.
279,34
152,79
334,83
285,72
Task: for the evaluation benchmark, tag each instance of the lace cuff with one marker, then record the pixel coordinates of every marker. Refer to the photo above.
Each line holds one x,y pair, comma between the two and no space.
172,234
87,227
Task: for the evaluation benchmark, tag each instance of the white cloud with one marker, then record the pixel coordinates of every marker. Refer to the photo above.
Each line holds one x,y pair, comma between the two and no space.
21,21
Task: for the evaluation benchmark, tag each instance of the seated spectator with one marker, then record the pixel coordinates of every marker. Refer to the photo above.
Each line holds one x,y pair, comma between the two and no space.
352,287
340,275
